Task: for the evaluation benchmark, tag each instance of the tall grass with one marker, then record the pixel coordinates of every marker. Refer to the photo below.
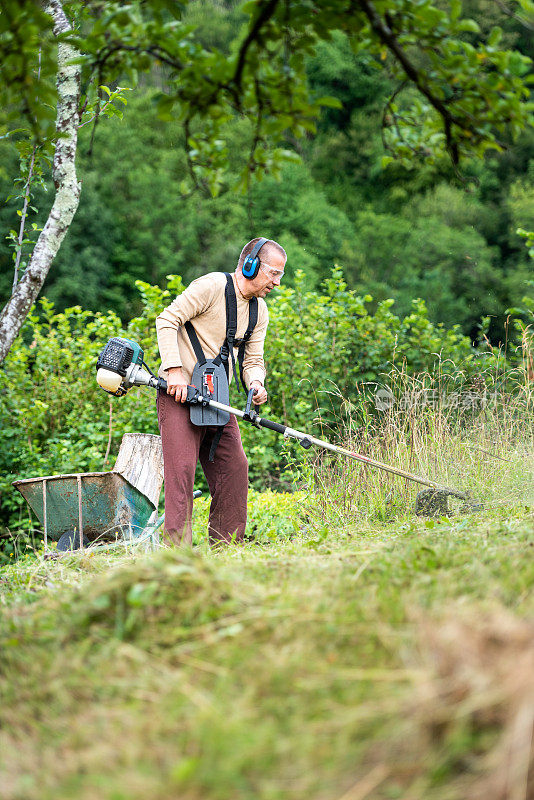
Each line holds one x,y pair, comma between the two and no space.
476,436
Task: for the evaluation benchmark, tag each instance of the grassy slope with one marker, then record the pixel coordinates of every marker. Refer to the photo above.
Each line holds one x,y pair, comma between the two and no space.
389,662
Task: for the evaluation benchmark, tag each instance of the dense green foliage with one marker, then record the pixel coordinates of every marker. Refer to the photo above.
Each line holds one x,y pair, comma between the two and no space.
322,347
459,85
396,232
403,230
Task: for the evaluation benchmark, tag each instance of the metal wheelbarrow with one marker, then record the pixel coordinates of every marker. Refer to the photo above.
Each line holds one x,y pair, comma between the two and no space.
79,509
82,508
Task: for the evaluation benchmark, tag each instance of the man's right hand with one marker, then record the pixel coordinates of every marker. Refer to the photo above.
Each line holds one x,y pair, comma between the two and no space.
177,384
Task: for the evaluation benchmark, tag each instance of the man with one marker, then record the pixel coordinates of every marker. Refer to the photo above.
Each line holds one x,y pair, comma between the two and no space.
259,270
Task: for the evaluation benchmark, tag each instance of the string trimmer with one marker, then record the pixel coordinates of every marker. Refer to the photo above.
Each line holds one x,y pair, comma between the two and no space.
121,366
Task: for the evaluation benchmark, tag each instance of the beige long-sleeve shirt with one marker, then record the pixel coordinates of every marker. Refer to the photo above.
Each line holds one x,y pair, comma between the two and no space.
203,303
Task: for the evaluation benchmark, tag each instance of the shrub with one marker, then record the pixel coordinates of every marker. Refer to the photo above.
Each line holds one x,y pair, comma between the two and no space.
322,348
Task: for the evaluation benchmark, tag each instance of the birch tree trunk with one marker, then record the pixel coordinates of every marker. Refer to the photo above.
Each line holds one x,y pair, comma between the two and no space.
65,181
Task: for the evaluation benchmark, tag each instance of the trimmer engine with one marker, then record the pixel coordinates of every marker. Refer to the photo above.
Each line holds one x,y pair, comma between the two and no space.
120,366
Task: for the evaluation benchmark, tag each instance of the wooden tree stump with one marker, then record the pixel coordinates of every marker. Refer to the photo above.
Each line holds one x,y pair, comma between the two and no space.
140,461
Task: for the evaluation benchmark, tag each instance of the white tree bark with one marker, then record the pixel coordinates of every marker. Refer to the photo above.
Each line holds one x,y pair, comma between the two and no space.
65,181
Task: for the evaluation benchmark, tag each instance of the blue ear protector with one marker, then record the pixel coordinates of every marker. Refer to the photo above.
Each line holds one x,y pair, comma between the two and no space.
251,264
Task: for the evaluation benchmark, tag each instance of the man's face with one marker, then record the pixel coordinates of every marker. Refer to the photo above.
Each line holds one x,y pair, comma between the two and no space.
269,275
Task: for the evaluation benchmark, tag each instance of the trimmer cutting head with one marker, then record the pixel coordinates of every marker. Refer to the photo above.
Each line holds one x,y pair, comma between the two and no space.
432,503
435,503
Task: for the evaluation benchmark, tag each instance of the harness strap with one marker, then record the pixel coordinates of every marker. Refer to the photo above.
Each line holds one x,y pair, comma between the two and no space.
193,338
252,320
227,350
215,441
231,326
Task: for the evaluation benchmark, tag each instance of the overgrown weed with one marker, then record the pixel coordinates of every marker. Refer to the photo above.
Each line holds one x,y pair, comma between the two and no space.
476,438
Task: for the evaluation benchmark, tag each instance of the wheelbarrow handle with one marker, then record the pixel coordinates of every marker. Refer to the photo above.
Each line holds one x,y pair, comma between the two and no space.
161,519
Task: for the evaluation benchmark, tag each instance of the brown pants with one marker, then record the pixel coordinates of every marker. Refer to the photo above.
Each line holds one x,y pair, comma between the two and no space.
227,476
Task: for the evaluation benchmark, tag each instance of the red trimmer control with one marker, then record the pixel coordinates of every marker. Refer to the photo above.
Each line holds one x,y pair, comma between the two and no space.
208,382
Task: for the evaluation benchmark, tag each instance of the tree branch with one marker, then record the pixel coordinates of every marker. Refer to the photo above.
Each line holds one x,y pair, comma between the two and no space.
27,195
23,219
509,13
265,14
386,35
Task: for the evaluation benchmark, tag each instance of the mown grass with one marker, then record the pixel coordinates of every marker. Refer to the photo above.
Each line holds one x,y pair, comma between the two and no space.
309,667
349,650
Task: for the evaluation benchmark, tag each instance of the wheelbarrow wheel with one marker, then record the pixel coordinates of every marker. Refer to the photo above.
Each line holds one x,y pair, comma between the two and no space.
70,540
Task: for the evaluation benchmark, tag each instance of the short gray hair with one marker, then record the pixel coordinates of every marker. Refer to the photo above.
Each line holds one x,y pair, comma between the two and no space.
267,249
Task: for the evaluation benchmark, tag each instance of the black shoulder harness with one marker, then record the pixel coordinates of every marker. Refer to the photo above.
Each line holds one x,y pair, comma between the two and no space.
201,415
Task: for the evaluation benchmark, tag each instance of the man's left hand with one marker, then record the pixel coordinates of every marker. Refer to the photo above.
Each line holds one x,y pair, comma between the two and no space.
260,396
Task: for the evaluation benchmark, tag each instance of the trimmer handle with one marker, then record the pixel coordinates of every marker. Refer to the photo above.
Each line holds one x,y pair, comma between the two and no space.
193,395
249,414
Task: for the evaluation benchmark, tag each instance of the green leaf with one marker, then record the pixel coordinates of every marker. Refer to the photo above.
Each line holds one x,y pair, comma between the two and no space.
329,102
495,36
468,25
456,9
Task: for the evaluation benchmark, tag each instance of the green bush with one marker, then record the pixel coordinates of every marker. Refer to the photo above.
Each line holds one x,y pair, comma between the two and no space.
322,347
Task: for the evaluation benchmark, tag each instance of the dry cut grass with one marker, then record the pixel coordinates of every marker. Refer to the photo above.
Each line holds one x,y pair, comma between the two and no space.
388,664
